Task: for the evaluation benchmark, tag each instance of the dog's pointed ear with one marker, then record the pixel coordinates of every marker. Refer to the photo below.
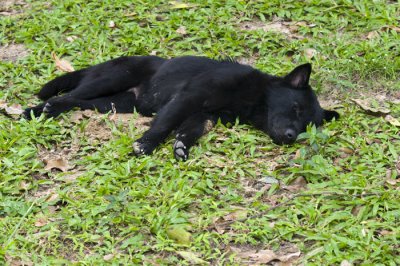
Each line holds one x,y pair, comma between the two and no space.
300,76
329,115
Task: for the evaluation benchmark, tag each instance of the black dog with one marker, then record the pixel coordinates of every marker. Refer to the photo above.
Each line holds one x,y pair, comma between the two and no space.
189,94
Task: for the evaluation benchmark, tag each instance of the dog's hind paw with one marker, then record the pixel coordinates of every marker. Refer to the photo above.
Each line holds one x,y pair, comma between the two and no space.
181,152
36,111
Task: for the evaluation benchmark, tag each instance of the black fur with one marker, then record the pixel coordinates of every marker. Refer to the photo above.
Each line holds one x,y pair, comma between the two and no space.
189,94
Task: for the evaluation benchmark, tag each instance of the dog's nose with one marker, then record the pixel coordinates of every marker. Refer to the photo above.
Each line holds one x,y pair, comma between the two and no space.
290,134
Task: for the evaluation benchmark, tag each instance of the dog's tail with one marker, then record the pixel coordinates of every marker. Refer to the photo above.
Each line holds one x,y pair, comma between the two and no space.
64,83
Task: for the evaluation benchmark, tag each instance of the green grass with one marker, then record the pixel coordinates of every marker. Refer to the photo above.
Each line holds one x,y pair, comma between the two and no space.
111,207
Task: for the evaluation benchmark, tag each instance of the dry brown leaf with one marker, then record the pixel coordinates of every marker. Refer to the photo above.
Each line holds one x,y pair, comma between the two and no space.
62,64
52,197
367,106
266,256
393,121
356,210
372,35
297,155
297,184
392,182
396,29
236,215
386,233
24,185
42,221
310,53
181,30
59,163
108,257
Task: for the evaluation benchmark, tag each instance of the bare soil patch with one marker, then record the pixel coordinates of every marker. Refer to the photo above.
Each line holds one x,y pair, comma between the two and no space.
13,52
288,28
11,7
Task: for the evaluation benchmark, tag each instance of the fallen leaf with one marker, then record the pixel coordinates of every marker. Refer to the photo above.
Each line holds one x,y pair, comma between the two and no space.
393,121
108,257
191,257
220,228
236,215
52,197
297,184
386,233
266,256
24,185
40,222
14,109
179,234
181,30
396,29
372,35
62,64
392,182
356,209
310,53
59,163
366,106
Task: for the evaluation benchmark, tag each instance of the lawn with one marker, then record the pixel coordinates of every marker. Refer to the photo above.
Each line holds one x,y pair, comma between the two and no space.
72,193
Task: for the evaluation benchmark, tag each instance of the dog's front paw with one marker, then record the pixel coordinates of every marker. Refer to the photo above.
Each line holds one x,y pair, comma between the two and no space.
142,148
35,111
181,152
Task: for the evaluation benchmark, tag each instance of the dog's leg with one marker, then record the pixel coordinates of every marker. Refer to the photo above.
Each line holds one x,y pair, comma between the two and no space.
123,102
172,115
116,76
193,128
190,131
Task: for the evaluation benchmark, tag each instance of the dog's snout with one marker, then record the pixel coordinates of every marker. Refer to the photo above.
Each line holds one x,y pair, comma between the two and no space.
290,134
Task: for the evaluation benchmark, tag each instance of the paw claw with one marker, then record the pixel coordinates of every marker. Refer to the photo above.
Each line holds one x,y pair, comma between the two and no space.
46,108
